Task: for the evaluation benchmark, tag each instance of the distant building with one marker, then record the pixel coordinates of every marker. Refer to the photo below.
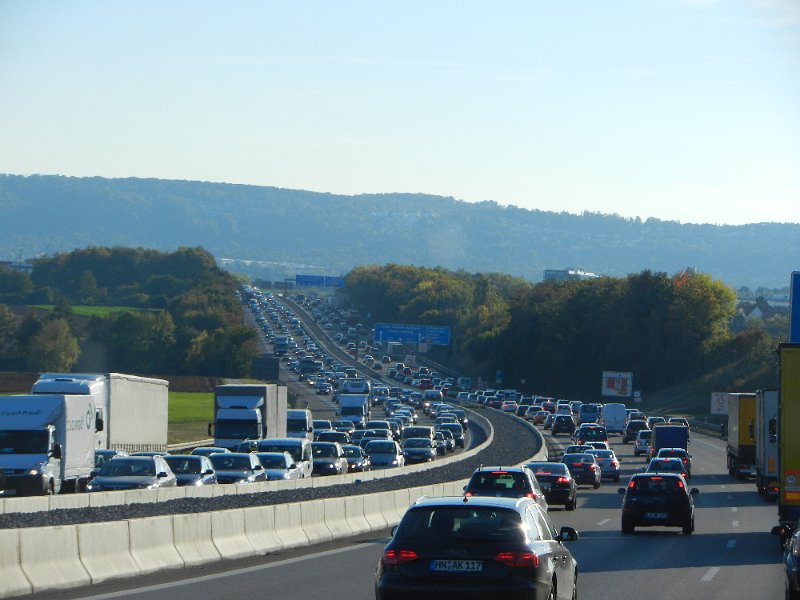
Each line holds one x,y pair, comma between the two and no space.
568,274
16,266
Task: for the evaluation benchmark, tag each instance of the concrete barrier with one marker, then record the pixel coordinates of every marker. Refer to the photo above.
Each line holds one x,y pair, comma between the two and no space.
401,503
104,550
336,518
49,558
228,534
354,514
28,504
373,511
13,581
312,517
259,526
192,536
170,493
153,544
138,496
106,498
60,502
289,526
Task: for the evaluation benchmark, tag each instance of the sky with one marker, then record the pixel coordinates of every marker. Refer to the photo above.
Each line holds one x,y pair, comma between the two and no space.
683,110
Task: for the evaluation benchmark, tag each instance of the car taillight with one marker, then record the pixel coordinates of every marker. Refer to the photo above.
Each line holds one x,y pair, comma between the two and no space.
531,495
467,494
562,480
398,557
593,467
680,484
577,464
631,484
518,559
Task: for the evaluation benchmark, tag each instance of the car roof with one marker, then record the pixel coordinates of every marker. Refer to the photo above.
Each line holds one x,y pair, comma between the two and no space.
501,468
489,501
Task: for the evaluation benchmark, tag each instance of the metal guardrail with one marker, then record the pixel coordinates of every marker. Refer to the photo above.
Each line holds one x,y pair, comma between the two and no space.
189,445
706,427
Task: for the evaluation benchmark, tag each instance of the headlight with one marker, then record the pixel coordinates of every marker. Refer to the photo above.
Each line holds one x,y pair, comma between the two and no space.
37,469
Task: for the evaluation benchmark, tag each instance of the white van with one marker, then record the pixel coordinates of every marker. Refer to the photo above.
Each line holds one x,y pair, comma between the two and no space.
299,423
614,415
298,448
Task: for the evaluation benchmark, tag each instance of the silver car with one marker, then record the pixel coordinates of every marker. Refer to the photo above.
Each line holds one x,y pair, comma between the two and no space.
608,461
642,442
133,473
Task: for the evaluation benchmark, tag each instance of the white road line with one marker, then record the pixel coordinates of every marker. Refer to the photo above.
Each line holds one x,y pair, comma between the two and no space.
236,573
710,574
730,544
734,508
723,486
736,523
604,521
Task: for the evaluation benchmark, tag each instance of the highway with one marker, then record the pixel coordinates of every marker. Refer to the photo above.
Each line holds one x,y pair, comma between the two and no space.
730,555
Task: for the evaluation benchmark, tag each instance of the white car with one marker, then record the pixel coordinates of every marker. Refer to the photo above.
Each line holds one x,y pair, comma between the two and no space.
642,442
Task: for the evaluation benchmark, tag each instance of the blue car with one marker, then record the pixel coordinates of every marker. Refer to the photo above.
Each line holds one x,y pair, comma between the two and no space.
790,541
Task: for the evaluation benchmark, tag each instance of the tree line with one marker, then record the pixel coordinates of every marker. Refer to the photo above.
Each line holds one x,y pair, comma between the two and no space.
557,337
184,317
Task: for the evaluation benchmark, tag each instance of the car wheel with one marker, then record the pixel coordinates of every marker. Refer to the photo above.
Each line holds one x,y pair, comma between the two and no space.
791,594
689,528
627,529
570,504
596,485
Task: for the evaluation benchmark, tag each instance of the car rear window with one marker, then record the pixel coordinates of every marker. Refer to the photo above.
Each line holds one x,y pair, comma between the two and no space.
654,485
499,481
548,468
452,523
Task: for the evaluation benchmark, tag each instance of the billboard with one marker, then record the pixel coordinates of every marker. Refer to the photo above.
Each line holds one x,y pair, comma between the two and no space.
617,384
412,334
719,403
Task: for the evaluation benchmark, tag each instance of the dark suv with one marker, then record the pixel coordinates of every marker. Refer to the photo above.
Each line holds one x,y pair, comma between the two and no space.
506,482
563,424
657,499
631,429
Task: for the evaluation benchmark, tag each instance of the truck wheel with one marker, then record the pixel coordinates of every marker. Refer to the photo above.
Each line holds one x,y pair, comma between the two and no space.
49,489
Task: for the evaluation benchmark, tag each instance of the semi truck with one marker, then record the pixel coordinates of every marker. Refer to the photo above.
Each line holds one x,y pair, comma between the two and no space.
766,440
354,408
247,413
668,436
788,439
741,452
48,437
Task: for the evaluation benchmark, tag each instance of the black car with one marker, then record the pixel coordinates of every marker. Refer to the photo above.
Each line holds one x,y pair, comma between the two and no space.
584,469
506,482
631,429
238,467
192,469
563,424
790,542
657,499
357,461
556,483
419,450
476,548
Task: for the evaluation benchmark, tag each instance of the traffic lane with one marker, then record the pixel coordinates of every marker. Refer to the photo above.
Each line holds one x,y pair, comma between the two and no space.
338,570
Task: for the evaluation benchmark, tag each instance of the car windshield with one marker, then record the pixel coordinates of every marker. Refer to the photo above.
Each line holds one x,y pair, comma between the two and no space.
324,451
381,448
602,453
352,451
183,466
229,462
124,467
666,464
417,443
578,458
272,461
23,442
453,523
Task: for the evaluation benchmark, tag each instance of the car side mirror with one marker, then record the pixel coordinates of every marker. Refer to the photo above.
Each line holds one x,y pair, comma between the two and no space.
98,424
93,474
55,452
621,491
694,491
292,466
394,529
162,474
568,534
258,468
210,427
208,472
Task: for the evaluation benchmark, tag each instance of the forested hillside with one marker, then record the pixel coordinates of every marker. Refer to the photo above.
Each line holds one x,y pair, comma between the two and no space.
296,231
156,313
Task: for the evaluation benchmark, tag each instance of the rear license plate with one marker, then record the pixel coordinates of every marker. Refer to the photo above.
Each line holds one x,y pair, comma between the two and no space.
457,566
655,515
545,486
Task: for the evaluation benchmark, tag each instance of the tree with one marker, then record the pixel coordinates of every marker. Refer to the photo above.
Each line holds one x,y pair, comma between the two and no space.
54,348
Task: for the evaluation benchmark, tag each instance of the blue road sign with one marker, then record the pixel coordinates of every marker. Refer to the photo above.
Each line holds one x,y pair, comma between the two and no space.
794,309
336,282
309,280
412,334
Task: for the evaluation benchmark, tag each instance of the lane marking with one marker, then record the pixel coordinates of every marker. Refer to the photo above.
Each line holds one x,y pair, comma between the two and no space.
734,508
723,486
730,544
736,523
604,521
236,573
710,574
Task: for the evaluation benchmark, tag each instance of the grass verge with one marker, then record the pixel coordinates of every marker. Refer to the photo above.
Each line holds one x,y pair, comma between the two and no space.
189,416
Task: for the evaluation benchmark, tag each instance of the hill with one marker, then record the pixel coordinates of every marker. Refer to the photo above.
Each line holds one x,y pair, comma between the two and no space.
291,231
